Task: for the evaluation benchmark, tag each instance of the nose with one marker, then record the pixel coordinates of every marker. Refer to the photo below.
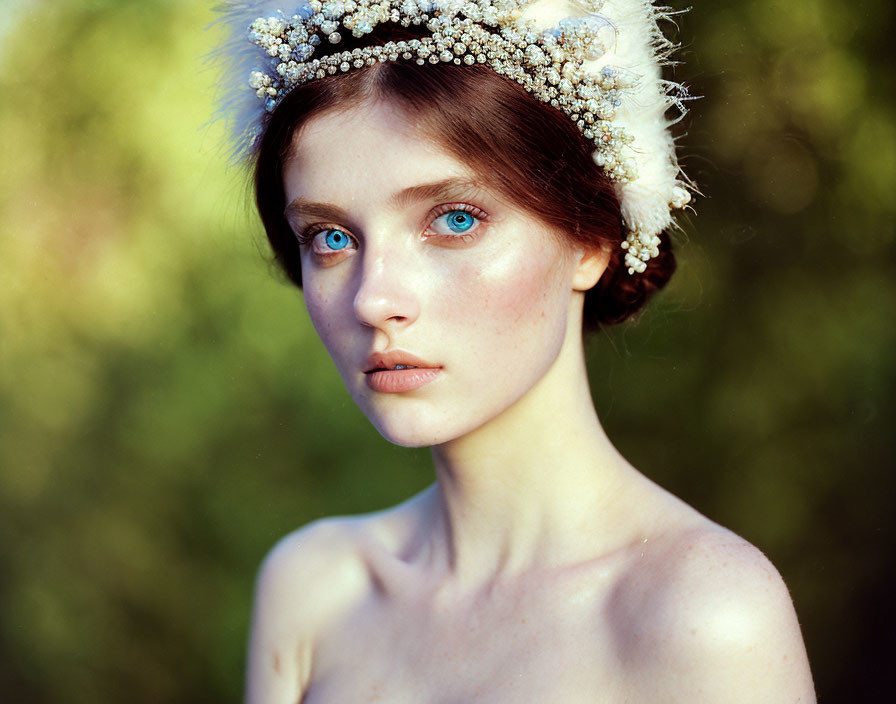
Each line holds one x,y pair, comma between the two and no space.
385,297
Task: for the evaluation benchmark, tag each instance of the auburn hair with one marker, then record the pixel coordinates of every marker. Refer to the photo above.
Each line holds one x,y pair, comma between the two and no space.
529,152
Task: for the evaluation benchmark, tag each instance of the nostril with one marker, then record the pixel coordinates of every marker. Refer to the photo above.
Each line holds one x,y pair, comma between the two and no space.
382,300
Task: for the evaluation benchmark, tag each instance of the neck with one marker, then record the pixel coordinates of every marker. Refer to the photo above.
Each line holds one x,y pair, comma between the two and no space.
533,487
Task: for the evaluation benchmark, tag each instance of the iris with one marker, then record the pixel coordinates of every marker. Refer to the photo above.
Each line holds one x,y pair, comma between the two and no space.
336,240
460,219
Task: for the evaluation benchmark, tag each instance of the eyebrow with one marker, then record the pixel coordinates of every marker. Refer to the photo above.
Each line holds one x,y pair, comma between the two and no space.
444,189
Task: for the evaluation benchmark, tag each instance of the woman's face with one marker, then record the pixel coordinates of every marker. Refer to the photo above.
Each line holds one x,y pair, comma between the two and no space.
471,294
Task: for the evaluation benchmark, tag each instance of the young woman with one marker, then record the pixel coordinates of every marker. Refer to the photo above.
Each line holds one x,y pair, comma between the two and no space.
453,234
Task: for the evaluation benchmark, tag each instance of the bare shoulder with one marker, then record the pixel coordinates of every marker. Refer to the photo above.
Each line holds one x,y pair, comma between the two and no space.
307,582
712,611
308,578
319,560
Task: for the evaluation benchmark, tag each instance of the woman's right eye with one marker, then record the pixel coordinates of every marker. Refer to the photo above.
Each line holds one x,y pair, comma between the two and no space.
329,241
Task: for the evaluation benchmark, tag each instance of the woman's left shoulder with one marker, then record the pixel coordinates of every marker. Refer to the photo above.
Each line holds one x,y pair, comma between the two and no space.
722,616
705,560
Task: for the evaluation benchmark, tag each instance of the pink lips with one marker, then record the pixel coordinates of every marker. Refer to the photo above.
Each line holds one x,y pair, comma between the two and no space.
381,374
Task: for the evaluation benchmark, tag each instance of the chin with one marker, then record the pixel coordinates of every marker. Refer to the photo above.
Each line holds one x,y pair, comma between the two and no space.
415,434
413,427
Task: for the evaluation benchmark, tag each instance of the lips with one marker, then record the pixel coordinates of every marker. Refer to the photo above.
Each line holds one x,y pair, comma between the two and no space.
389,361
397,371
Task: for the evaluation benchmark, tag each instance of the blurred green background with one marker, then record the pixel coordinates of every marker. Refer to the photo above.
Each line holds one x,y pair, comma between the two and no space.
166,412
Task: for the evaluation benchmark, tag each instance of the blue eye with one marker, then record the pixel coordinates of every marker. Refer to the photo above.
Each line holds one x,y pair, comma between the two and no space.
459,220
336,239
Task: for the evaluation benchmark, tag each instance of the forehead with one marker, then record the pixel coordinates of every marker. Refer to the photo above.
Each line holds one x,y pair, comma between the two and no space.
371,145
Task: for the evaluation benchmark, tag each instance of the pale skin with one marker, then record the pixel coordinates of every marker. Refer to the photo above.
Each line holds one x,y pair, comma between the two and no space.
540,566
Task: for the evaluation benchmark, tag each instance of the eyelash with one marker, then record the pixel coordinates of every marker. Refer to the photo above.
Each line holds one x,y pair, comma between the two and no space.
307,237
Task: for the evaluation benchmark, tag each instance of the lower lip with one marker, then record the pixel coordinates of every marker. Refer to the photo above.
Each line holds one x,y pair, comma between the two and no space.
396,381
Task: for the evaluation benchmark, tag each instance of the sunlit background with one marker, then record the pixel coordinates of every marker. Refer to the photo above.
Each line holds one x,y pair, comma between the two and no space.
166,412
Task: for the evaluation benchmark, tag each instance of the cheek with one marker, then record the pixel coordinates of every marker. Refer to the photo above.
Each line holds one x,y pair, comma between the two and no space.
521,288
322,306
517,293
316,302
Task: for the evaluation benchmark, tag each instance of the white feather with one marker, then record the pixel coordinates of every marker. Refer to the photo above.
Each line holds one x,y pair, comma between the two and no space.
638,46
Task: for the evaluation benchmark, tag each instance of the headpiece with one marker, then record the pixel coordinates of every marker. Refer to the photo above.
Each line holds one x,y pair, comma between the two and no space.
599,61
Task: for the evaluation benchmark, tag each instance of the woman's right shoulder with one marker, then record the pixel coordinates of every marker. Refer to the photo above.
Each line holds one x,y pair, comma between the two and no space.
310,578
317,566
331,560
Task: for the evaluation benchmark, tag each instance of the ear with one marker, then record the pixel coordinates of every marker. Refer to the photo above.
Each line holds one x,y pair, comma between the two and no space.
590,266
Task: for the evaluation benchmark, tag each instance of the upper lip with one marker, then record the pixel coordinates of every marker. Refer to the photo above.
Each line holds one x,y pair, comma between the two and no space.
388,360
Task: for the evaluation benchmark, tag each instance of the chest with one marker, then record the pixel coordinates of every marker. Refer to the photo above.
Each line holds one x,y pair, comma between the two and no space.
536,650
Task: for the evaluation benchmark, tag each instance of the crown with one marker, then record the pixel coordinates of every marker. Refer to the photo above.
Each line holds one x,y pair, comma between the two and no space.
598,61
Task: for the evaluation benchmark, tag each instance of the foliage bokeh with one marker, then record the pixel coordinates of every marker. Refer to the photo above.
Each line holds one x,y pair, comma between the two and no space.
166,412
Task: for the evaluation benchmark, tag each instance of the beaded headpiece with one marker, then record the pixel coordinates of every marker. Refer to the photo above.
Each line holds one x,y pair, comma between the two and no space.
596,60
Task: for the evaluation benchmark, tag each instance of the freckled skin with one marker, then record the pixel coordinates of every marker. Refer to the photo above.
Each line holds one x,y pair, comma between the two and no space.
540,566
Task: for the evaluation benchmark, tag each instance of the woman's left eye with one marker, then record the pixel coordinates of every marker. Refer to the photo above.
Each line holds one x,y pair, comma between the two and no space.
457,220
